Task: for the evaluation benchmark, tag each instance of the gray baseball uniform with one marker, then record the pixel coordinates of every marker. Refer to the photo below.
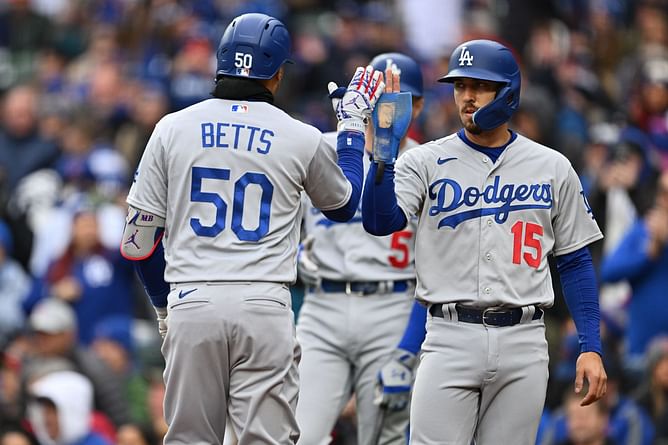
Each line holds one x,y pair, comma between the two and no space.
485,231
349,326
227,176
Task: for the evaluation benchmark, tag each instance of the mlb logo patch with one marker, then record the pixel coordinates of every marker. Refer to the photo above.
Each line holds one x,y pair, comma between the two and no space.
239,108
243,72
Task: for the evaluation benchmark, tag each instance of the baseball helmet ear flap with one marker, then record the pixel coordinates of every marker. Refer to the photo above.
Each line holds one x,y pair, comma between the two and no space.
498,111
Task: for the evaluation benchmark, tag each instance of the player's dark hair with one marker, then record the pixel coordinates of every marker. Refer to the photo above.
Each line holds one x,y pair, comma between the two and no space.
238,88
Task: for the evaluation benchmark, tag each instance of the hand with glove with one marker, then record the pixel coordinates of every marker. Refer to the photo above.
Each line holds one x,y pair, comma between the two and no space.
395,378
353,105
307,269
161,313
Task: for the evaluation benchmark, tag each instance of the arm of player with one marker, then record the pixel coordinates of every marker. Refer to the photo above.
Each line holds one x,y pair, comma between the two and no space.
416,329
349,149
381,214
578,281
142,245
353,106
395,378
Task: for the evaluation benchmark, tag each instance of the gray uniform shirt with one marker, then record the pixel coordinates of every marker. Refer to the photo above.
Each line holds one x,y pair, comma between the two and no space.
228,176
346,252
486,228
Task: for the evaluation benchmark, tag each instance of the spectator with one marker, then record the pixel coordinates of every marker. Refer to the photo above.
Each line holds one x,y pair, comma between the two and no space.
653,393
95,280
113,344
60,410
53,322
587,425
10,387
642,258
14,286
22,149
15,434
135,434
24,32
627,424
191,80
148,105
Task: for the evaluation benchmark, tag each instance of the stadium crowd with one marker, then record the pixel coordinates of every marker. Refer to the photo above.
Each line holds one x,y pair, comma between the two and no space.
83,82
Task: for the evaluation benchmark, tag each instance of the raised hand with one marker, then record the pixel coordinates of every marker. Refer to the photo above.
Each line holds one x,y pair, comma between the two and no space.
354,105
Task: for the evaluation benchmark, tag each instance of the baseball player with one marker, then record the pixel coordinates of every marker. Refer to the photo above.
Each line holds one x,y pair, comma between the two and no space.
220,184
492,205
356,306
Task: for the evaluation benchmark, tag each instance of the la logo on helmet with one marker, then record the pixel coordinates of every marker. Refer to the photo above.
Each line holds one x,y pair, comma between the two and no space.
465,57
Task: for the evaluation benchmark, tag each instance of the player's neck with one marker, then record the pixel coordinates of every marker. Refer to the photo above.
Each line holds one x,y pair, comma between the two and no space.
491,138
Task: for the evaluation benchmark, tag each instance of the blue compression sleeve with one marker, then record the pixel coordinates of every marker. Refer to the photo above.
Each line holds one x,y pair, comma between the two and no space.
416,330
578,281
151,272
349,148
381,214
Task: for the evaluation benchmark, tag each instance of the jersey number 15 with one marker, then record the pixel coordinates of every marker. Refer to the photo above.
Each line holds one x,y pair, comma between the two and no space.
522,246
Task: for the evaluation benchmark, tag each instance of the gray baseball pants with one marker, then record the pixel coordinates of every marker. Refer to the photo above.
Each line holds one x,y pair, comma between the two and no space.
230,350
346,339
479,383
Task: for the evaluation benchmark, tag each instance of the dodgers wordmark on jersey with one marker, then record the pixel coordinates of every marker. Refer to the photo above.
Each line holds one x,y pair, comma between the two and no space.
508,224
346,252
238,183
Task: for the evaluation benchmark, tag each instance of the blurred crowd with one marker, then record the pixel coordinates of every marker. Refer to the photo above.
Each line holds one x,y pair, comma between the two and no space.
83,82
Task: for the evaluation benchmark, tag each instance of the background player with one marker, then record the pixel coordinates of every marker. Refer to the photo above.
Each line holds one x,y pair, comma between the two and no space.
224,179
358,299
492,205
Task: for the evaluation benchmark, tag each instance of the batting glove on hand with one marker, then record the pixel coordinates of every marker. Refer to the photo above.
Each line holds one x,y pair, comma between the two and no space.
354,104
393,389
161,312
307,269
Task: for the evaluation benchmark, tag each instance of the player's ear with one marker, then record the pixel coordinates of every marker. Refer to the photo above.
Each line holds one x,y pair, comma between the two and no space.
418,105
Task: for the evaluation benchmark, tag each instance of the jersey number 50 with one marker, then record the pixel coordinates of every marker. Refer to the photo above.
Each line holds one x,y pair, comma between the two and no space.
223,174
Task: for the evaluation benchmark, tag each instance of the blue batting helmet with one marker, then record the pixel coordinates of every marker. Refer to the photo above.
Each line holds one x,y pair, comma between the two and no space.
253,46
411,75
488,60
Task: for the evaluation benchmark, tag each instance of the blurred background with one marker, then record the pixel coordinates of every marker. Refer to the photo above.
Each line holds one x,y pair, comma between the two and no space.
83,82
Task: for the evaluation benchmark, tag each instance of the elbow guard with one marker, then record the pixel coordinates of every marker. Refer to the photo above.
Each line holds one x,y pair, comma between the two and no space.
143,232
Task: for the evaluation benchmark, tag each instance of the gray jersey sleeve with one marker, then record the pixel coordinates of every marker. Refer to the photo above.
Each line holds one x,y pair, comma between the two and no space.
409,183
574,223
149,187
325,183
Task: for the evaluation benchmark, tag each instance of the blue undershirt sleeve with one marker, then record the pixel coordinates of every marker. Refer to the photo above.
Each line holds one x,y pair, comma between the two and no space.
381,214
578,281
151,272
416,329
349,148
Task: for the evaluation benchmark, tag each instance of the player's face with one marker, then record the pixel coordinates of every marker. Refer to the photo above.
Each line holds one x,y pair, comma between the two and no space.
470,95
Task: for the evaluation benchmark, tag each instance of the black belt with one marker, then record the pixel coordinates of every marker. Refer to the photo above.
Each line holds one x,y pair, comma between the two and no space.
491,316
364,287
